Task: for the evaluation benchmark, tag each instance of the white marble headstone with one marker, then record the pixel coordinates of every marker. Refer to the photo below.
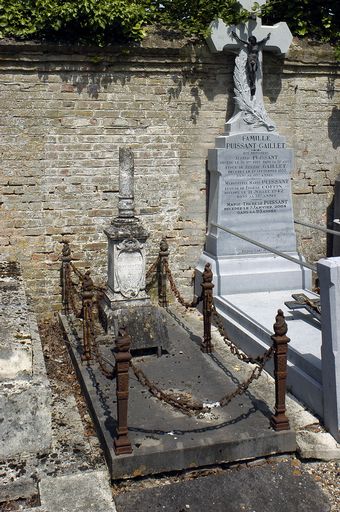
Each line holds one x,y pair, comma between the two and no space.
250,172
250,193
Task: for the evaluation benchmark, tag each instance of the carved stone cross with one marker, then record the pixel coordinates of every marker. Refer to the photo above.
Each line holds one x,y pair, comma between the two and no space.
303,302
221,38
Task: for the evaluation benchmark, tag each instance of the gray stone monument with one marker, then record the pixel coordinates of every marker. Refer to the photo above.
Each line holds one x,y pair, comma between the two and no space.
126,239
126,302
250,169
250,194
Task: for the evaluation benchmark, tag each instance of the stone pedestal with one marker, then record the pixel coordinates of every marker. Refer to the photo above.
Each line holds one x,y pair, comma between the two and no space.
126,261
125,302
250,193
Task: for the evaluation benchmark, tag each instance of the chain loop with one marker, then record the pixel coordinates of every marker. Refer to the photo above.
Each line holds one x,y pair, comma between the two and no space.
79,274
233,348
194,303
152,268
189,406
186,405
109,374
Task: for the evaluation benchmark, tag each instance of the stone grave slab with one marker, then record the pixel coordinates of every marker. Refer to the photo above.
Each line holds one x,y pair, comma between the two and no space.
25,415
248,318
163,438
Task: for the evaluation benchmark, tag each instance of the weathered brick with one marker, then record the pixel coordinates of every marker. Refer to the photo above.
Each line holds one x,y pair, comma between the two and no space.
59,143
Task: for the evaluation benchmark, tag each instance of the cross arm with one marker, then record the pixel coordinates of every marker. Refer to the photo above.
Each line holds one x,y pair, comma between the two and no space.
221,37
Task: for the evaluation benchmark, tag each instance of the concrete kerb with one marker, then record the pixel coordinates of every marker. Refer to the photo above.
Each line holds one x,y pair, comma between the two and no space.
312,440
88,491
80,492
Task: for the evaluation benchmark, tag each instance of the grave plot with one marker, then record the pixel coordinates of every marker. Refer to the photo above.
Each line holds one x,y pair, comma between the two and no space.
181,409
163,437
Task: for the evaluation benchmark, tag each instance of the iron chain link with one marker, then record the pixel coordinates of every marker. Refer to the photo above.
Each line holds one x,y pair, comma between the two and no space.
233,348
194,303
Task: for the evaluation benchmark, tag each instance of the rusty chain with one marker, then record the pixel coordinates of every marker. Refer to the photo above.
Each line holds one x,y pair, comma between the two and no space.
109,374
194,303
72,286
255,374
190,406
152,267
77,271
233,348
186,405
151,272
73,293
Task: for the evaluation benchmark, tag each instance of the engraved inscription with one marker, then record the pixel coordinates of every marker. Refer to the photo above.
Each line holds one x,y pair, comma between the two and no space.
130,273
255,182
251,193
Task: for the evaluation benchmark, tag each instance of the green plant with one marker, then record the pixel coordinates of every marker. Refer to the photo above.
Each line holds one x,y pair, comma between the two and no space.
94,21
316,20
102,22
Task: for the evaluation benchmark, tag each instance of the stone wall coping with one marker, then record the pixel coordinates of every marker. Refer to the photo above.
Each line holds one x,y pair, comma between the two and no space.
153,52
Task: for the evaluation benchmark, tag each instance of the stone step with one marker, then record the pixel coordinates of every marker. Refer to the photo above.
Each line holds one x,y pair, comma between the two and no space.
249,320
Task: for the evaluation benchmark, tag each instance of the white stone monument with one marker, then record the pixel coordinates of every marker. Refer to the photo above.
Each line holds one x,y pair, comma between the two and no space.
250,170
250,194
329,276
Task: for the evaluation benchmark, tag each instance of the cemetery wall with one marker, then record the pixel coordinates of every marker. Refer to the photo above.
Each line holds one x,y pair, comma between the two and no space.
65,112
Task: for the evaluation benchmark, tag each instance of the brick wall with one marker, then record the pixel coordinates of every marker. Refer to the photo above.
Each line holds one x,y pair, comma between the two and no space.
66,111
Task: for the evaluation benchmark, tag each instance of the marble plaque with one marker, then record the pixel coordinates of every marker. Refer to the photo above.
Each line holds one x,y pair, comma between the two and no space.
250,193
129,268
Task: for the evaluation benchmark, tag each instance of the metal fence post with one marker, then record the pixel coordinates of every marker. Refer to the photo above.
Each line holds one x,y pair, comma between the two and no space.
87,314
121,442
162,275
65,272
207,289
279,420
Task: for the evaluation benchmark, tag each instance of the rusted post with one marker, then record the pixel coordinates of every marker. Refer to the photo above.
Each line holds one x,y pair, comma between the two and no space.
65,275
121,442
279,420
87,315
162,276
207,290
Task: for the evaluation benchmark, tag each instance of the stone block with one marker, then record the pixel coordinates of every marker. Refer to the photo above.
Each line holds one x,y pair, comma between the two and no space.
317,445
81,492
25,416
329,278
